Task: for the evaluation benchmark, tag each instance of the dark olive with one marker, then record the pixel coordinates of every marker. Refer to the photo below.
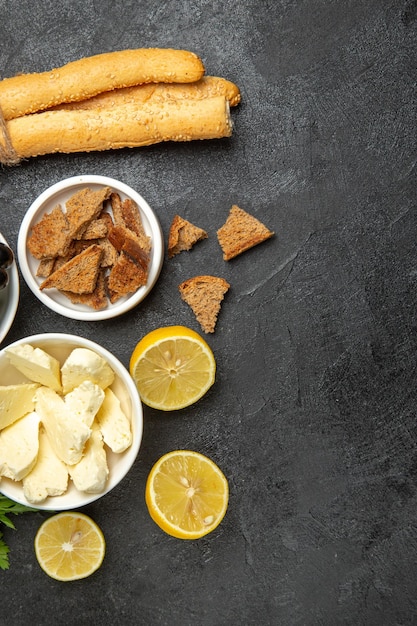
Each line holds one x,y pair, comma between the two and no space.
4,278
6,255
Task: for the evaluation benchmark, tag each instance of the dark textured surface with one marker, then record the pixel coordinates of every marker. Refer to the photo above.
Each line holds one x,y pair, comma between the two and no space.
313,415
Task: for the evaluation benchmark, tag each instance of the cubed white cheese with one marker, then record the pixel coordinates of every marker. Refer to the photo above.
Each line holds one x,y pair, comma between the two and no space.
67,434
84,364
84,401
15,402
19,445
90,474
49,477
36,365
113,423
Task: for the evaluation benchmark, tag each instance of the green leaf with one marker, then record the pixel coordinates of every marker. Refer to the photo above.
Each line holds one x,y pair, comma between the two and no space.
4,554
9,507
6,521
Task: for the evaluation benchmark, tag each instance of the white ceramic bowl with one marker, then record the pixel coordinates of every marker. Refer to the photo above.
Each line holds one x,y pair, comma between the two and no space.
60,345
9,298
59,194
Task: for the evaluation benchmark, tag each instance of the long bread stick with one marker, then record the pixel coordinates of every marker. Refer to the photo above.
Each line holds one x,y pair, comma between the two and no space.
124,126
84,78
206,87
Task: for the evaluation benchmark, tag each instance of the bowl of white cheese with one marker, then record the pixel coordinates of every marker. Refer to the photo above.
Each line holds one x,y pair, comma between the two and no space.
71,421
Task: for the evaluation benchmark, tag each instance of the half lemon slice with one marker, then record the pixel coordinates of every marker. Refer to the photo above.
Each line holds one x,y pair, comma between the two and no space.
69,546
186,494
172,367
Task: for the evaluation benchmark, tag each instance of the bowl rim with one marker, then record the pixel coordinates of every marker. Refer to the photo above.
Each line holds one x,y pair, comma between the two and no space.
12,293
82,312
62,503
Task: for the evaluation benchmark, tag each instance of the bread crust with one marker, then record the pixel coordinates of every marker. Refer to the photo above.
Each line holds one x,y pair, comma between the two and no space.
124,126
240,232
67,277
97,299
50,236
204,294
206,87
127,215
125,240
183,235
125,277
86,77
83,207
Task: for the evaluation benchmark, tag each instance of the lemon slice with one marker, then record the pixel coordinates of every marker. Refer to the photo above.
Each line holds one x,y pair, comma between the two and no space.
186,494
172,367
69,546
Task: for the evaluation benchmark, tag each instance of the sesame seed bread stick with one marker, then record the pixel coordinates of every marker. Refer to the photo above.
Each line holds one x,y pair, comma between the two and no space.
124,126
86,77
206,87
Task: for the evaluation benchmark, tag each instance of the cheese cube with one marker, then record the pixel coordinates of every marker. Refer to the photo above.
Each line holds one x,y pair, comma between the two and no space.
66,433
36,365
113,423
84,401
90,474
15,402
19,445
84,364
49,477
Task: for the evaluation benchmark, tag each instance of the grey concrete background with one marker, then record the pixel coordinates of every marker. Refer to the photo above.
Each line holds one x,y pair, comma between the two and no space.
313,415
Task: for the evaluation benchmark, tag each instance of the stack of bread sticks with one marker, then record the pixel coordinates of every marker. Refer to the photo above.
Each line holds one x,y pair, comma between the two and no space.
121,99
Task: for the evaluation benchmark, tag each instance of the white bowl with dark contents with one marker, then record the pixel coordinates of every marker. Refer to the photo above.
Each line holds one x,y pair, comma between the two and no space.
74,414
82,255
9,287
